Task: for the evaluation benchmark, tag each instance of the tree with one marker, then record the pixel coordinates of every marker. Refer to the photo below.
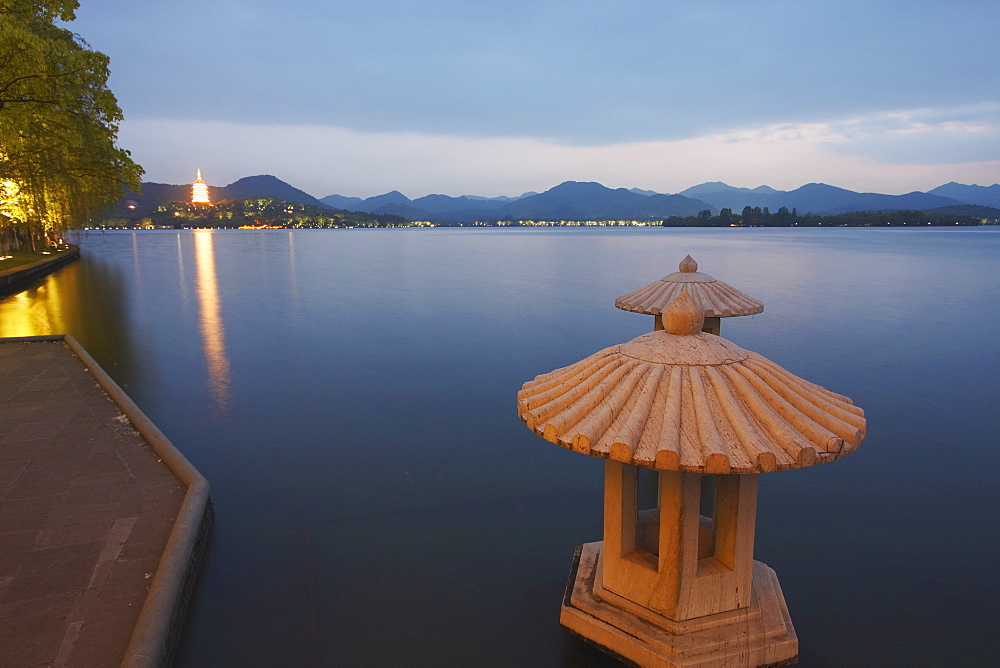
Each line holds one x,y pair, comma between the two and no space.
59,162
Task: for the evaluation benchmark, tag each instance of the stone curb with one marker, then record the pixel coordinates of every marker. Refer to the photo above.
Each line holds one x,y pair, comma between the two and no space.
155,634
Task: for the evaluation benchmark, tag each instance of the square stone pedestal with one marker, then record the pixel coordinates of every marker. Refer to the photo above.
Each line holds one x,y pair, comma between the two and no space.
761,635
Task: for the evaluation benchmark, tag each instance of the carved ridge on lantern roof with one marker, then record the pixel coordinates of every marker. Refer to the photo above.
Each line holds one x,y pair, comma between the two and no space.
716,298
693,402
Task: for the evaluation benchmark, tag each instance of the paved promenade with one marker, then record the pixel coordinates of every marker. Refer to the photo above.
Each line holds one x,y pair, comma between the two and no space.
87,509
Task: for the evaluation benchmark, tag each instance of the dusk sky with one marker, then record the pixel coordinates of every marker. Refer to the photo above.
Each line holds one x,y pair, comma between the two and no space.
497,98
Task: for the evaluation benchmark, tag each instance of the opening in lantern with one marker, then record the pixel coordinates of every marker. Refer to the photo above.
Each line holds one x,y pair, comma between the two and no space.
719,527
647,528
706,514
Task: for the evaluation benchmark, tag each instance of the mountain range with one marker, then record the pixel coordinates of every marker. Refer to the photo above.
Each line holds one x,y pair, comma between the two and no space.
574,200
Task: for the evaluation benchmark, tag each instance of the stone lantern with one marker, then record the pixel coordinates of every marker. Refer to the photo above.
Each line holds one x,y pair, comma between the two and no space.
676,584
716,298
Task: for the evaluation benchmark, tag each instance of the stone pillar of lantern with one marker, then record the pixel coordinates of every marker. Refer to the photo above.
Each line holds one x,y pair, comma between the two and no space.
689,565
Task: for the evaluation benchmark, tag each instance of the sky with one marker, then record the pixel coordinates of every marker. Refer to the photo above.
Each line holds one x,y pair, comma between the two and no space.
496,98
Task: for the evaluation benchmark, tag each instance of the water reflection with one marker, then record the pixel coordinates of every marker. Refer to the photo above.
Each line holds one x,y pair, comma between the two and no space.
292,282
379,441
212,331
181,283
34,312
87,299
135,264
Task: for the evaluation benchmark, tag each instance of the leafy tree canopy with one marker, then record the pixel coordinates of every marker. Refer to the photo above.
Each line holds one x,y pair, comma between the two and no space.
42,10
59,162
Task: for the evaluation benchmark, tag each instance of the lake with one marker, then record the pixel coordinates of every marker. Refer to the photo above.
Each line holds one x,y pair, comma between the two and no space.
350,396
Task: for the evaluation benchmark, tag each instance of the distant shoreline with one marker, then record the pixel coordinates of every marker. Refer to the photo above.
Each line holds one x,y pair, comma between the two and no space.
568,224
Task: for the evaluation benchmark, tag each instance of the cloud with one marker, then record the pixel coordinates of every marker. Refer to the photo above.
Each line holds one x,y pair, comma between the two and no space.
581,73
929,136
891,153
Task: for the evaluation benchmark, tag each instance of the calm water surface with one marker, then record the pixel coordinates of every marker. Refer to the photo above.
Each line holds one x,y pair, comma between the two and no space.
350,395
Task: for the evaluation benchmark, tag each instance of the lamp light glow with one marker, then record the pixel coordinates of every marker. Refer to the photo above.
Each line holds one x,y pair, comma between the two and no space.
199,191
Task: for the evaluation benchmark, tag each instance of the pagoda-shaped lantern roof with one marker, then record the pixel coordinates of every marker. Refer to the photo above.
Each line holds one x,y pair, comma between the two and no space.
683,400
716,298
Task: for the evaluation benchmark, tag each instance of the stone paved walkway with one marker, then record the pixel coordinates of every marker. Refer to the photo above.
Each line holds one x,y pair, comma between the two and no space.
85,513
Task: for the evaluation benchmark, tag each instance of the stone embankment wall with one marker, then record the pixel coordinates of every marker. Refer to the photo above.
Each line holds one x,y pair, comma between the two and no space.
20,277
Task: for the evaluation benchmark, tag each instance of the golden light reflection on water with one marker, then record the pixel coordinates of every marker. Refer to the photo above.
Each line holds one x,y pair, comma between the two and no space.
212,331
85,299
182,285
34,312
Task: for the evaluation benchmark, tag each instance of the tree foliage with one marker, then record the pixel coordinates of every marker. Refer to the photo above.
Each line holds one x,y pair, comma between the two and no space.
59,162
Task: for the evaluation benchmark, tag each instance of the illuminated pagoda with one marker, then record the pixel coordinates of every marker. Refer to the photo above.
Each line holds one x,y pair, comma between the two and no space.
199,191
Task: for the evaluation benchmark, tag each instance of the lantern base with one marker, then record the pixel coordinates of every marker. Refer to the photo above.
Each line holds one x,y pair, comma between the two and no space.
761,635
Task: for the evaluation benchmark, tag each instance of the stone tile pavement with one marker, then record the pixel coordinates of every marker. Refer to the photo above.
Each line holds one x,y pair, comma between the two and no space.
86,510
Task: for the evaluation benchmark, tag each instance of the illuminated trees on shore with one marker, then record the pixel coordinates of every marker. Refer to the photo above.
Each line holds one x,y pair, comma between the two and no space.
59,164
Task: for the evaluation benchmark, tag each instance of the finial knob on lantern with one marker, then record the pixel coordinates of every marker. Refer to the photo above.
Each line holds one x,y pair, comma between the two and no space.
682,316
688,265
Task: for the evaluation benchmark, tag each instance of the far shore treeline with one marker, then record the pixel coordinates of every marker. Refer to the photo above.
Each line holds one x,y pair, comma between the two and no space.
761,217
256,212
261,212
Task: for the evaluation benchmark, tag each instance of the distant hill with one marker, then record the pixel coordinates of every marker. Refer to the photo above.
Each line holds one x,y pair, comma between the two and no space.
429,207
393,197
574,200
456,209
265,185
982,195
818,198
721,195
502,198
571,200
341,202
719,186
849,201
407,211
393,200
154,195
